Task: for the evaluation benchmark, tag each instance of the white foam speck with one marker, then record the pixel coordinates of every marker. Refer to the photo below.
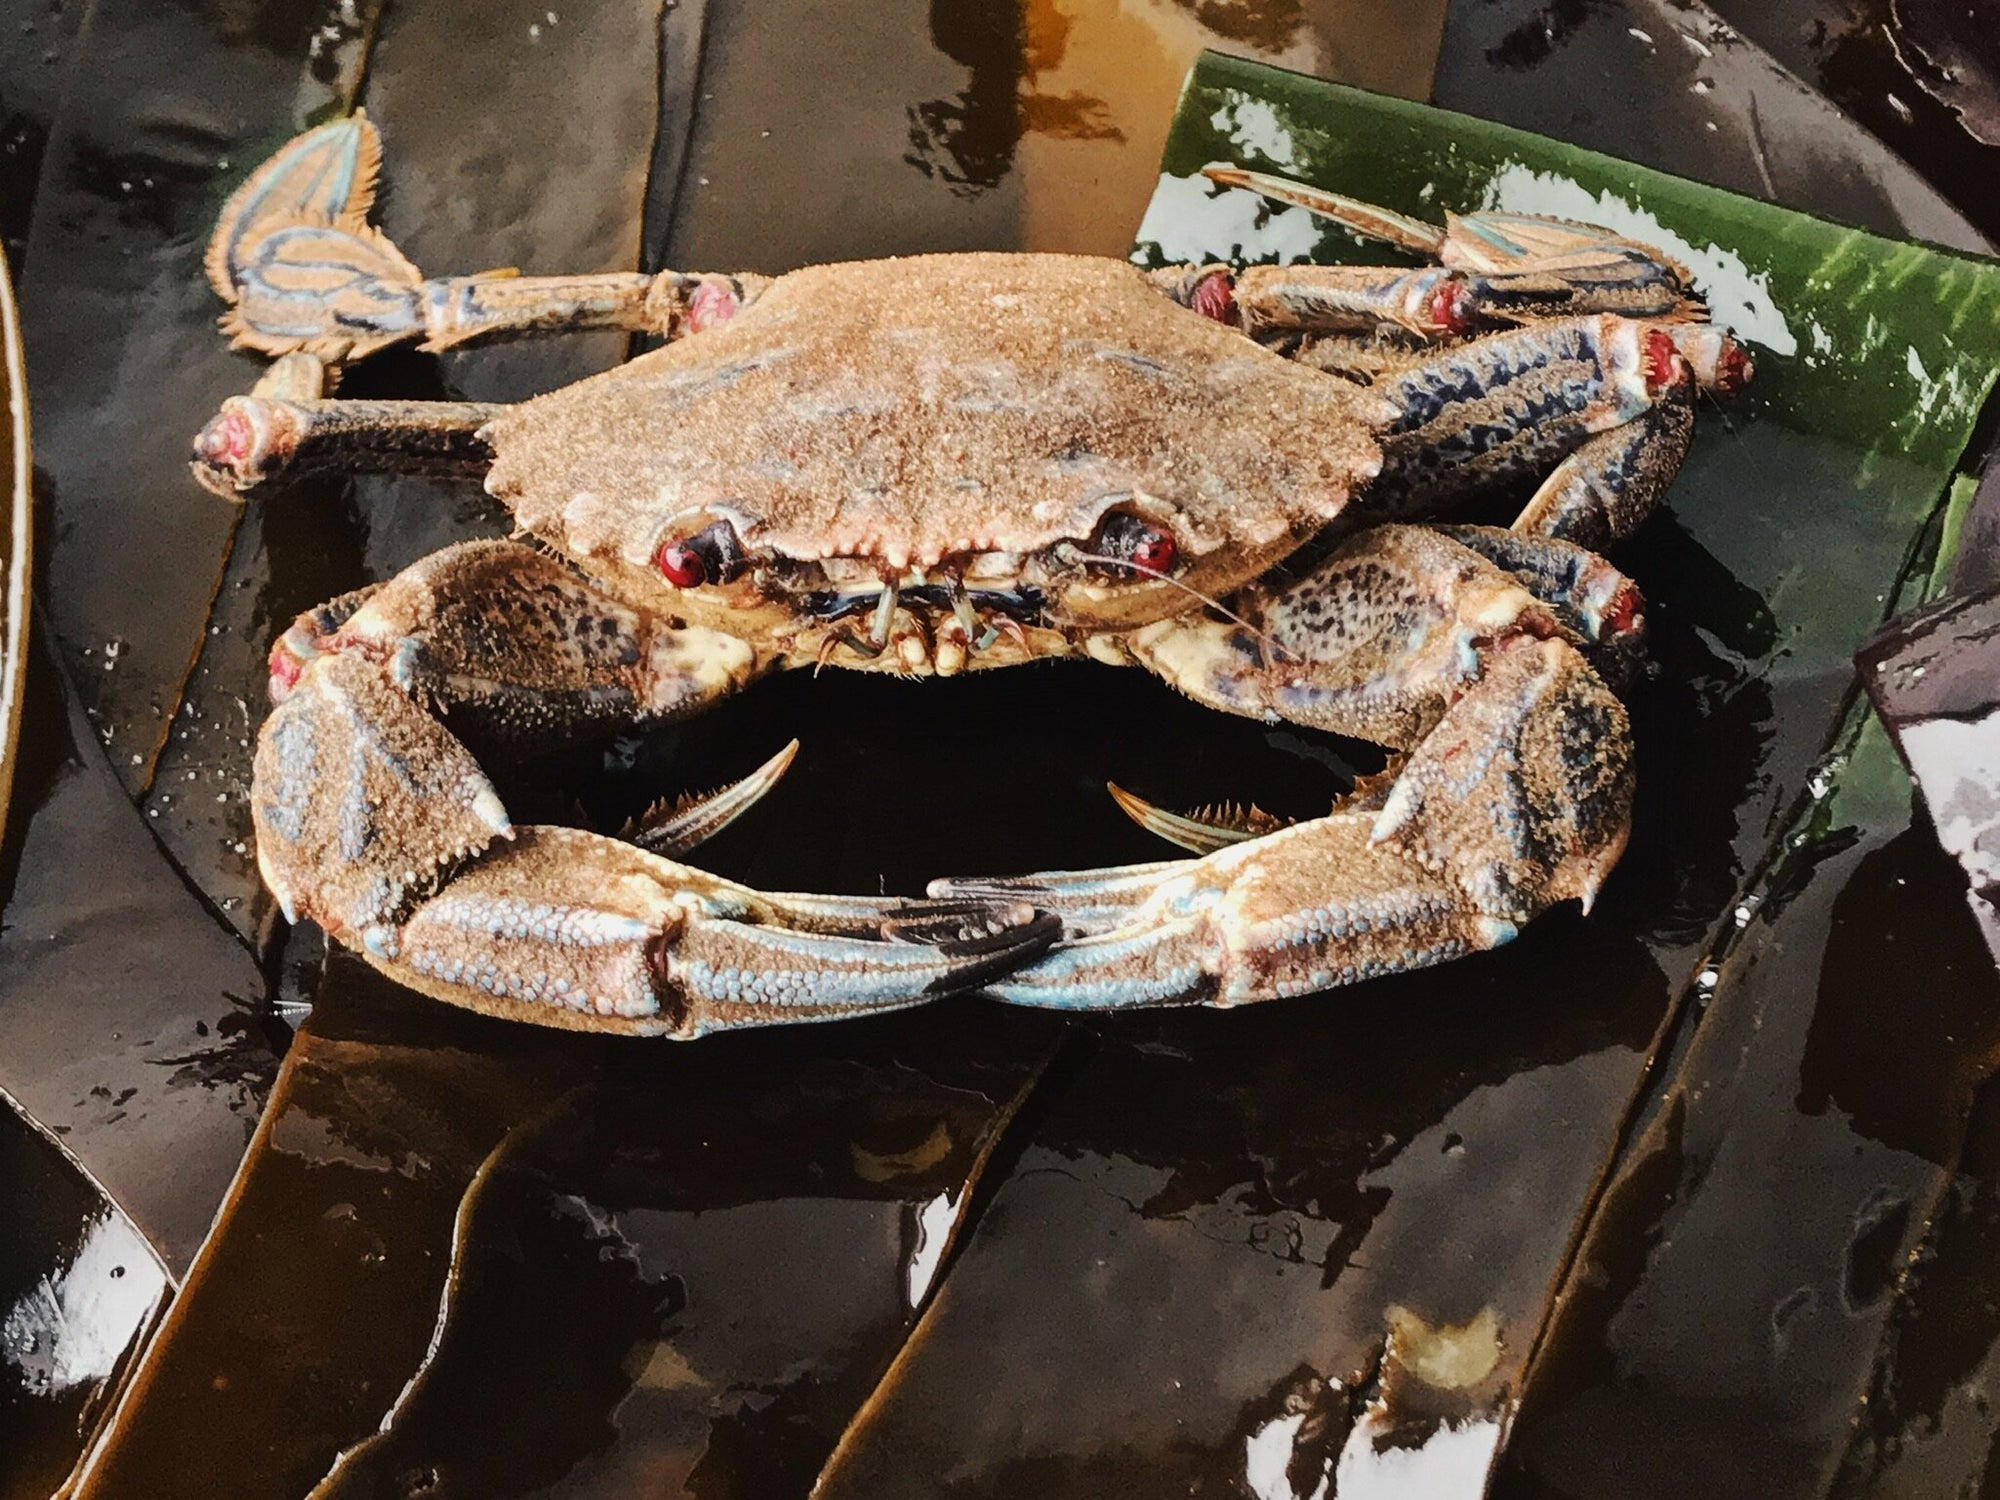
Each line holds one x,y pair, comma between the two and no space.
1267,1458
933,1229
1452,1462
1739,298
70,1327
1252,125
1189,220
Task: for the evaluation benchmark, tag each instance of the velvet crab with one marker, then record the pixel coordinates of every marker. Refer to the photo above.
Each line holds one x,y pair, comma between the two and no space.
1228,476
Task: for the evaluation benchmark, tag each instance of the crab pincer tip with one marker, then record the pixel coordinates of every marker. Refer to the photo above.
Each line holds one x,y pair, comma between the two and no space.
488,808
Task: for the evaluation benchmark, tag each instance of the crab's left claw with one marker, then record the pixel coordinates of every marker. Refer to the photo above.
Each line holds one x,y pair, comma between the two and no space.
1520,798
566,928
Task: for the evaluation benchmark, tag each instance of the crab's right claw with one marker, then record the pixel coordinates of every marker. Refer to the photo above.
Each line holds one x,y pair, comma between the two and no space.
1310,907
1518,799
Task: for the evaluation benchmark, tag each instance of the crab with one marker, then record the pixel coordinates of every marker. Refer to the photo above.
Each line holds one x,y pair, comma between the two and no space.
937,465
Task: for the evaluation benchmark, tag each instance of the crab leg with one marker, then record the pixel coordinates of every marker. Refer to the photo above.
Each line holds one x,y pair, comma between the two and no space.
1518,798
1265,300
1516,268
1377,641
1434,303
375,819
1590,596
255,439
1610,483
1607,399
1602,609
304,271
1534,266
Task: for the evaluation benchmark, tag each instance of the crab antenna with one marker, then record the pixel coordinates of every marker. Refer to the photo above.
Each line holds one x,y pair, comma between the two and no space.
1214,604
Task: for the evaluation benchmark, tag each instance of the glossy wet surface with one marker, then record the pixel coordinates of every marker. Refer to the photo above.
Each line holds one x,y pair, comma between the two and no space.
1155,1252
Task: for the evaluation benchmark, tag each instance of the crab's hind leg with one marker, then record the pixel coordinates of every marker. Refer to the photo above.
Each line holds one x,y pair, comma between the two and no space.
1523,265
303,270
374,819
1602,490
1499,269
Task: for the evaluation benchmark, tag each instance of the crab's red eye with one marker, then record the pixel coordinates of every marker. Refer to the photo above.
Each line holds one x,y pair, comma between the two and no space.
712,555
1156,553
681,565
1123,538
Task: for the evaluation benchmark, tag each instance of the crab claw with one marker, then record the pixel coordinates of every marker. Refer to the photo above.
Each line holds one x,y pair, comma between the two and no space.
1203,831
567,928
375,821
672,828
1520,798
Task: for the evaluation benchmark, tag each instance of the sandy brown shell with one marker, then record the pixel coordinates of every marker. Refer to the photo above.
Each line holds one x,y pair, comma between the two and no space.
914,409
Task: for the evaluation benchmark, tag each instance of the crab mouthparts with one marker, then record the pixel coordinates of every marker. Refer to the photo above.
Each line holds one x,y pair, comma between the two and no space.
949,620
